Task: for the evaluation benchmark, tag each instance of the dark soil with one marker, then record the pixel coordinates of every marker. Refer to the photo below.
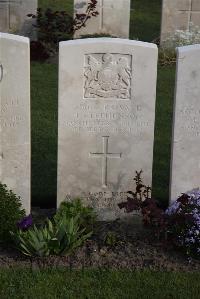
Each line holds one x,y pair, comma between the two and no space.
130,246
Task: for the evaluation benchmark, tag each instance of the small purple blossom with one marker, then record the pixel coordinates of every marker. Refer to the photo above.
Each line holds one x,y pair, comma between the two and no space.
184,221
25,223
173,208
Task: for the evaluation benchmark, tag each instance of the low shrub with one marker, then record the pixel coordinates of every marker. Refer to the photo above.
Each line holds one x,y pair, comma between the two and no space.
183,219
183,37
10,212
59,236
179,225
55,26
141,200
87,216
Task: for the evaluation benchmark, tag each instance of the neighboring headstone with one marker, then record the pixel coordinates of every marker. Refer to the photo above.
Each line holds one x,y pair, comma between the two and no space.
179,15
107,90
185,165
14,19
113,18
15,115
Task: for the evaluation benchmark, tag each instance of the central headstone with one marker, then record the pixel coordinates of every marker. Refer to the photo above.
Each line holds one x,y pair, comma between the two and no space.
113,18
15,115
107,90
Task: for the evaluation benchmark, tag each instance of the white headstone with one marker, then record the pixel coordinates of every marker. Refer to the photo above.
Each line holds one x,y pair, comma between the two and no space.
179,15
15,115
113,18
185,165
107,90
13,16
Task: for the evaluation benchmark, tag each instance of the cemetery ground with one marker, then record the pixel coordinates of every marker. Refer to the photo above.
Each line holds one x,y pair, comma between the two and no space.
93,278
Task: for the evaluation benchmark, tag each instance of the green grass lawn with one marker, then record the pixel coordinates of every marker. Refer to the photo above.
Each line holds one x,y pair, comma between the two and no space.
57,5
145,24
99,284
145,19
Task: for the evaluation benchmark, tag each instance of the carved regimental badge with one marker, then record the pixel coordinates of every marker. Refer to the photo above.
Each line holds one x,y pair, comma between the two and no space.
107,76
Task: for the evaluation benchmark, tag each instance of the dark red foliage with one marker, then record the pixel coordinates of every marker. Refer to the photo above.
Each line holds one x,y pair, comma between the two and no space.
183,199
141,200
38,51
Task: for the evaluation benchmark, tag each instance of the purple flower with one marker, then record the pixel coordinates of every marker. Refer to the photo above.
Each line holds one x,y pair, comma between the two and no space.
25,223
173,208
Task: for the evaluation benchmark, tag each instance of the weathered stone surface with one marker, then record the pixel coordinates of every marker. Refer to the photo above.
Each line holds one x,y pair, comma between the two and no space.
185,165
113,18
15,115
13,17
107,90
179,15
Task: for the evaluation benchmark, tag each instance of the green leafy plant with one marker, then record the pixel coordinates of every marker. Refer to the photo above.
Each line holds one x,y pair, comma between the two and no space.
110,239
167,56
55,26
61,236
10,212
87,216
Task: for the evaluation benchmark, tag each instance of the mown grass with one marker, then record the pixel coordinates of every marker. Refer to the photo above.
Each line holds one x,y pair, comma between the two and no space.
57,5
145,19
97,284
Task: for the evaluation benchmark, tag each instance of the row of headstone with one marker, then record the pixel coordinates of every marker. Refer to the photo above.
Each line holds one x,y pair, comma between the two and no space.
107,92
113,18
181,15
14,17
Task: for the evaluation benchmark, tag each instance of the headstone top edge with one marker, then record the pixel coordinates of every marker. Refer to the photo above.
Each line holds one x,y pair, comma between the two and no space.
188,48
90,41
14,37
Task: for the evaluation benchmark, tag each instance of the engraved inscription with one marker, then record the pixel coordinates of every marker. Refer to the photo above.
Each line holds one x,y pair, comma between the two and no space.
189,121
108,119
107,76
11,116
105,155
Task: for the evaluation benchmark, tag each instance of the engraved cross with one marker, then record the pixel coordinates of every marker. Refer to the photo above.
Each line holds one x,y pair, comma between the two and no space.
102,6
190,11
105,155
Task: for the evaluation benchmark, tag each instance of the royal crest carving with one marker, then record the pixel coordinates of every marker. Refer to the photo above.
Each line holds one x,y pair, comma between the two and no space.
108,76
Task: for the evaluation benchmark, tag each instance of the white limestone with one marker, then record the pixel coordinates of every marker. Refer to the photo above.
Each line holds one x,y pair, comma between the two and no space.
185,165
107,90
15,115
179,15
113,18
14,19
